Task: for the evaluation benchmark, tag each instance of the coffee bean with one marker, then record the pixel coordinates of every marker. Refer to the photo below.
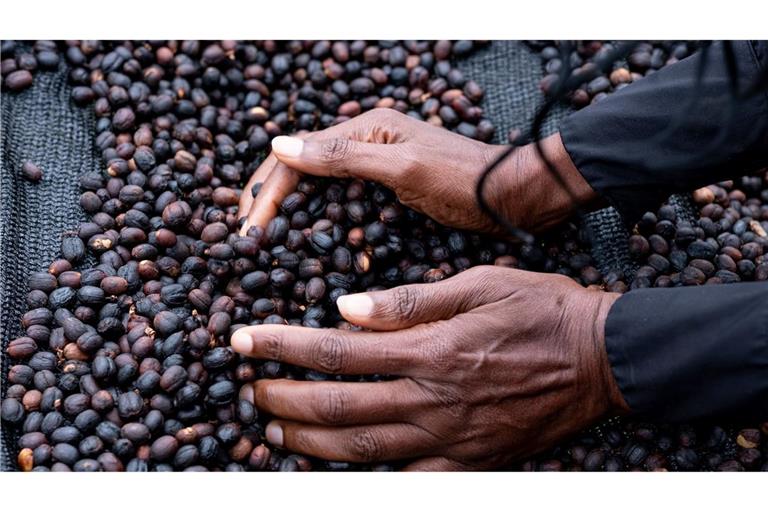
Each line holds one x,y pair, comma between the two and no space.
31,172
18,80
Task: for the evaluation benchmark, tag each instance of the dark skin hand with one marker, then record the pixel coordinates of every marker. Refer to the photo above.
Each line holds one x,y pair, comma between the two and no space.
431,170
493,364
489,366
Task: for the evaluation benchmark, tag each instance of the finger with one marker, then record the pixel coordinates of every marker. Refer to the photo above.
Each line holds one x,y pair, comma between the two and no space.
343,157
409,305
280,182
261,174
332,350
352,444
336,403
436,464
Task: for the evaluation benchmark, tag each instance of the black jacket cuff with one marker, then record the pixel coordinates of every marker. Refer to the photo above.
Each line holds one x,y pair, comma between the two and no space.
647,141
680,354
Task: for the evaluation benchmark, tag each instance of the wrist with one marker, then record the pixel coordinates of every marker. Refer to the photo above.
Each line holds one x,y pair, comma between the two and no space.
596,387
531,194
614,399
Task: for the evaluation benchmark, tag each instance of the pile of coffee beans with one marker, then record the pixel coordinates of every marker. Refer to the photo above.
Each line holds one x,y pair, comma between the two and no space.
125,362
635,446
645,58
19,62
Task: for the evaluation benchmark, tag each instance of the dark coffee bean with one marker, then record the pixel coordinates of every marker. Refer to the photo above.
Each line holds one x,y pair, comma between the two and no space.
65,453
164,448
129,405
186,456
228,433
12,410
31,172
87,420
701,250
221,393
76,403
18,80
135,432
218,357
21,348
87,465
65,434
173,378
177,214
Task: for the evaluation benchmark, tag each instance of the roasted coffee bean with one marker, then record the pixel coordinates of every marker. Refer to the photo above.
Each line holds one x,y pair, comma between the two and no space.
32,422
129,405
186,456
217,358
173,378
87,420
31,172
221,393
177,214
102,401
21,348
164,448
137,433
114,285
65,434
73,249
76,403
18,80
65,453
228,433
12,410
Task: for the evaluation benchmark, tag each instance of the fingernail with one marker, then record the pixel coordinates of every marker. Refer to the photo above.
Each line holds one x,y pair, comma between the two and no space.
287,146
275,434
358,304
241,341
246,393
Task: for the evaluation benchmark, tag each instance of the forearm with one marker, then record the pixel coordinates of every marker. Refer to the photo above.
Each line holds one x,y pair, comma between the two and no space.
679,354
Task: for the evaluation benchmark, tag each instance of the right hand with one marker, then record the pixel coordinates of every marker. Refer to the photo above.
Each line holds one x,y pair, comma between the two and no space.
432,170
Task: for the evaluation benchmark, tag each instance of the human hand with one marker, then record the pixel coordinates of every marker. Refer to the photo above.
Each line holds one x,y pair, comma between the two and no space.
432,170
493,365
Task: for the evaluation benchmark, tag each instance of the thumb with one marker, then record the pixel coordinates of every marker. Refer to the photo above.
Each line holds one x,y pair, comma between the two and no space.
413,304
343,158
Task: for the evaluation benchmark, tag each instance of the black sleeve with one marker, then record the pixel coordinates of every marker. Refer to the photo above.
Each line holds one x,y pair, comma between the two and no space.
685,353
645,142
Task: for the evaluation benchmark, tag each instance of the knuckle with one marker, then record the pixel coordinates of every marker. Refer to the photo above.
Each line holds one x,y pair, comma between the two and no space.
301,440
271,346
329,352
333,408
335,151
441,354
404,302
366,446
381,114
264,394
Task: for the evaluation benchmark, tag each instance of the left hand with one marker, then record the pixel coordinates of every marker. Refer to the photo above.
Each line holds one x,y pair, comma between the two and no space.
494,364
